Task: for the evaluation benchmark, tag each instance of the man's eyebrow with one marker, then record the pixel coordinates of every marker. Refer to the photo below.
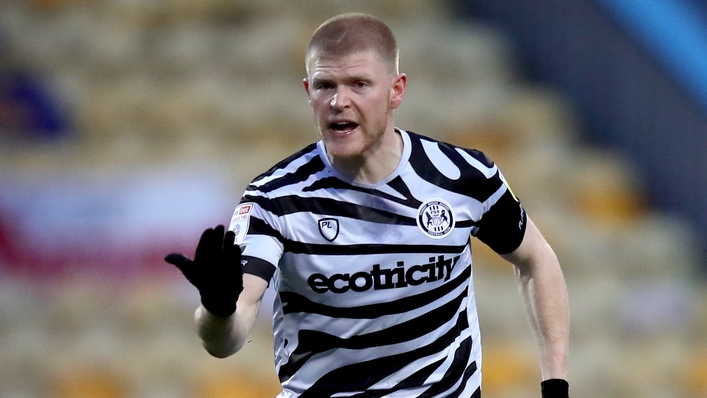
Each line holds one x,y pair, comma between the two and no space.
319,79
315,81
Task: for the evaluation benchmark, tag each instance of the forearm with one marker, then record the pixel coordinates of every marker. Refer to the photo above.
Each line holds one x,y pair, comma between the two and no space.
221,337
545,297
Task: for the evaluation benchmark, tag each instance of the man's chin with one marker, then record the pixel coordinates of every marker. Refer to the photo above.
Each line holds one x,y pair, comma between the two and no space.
344,153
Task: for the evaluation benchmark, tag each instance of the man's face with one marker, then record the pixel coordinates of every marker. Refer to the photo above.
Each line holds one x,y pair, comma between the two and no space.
352,98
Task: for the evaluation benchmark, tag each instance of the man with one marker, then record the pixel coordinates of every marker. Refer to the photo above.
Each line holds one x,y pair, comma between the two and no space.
365,236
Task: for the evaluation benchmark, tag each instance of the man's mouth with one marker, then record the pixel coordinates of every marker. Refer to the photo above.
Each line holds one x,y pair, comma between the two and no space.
343,127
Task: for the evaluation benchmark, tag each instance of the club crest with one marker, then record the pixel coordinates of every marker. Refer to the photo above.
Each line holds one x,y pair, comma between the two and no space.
329,228
435,218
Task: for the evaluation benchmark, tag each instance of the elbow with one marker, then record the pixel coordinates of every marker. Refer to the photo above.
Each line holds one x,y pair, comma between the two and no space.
223,348
220,352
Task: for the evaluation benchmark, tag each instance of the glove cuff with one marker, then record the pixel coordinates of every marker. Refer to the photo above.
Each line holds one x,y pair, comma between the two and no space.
555,388
218,306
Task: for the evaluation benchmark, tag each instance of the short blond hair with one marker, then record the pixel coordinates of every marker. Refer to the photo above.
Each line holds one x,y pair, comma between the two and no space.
352,33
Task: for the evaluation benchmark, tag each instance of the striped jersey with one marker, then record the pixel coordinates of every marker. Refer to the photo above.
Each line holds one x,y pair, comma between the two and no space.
374,293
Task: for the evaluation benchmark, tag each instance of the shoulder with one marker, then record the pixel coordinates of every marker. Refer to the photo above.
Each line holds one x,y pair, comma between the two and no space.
295,168
427,149
291,162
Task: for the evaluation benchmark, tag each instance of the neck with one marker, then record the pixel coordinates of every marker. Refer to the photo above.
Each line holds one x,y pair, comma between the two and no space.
376,164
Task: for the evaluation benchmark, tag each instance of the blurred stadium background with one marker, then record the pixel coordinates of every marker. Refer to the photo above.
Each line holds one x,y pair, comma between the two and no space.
128,126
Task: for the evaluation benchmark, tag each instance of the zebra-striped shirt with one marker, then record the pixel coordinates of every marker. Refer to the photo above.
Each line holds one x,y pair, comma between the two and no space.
374,293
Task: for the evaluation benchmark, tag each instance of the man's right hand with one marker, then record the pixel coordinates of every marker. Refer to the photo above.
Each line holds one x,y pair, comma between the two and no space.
215,270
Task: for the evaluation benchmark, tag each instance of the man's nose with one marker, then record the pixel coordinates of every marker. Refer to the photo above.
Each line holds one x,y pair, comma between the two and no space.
341,99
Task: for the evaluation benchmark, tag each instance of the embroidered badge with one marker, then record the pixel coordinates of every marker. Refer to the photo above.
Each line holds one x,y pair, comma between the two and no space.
435,218
241,221
329,228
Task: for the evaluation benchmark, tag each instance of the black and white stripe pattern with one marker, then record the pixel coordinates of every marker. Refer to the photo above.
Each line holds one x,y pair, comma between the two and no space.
370,301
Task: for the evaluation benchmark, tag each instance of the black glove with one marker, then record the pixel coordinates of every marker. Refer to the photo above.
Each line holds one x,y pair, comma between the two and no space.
215,271
555,388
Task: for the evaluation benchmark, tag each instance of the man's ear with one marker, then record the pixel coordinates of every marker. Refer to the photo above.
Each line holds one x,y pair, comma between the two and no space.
305,81
398,90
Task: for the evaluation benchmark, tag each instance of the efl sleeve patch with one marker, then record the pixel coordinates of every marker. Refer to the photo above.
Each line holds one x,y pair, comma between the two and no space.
241,221
254,235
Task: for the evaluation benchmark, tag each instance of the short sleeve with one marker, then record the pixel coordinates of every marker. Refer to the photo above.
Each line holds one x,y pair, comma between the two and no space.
260,242
502,226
